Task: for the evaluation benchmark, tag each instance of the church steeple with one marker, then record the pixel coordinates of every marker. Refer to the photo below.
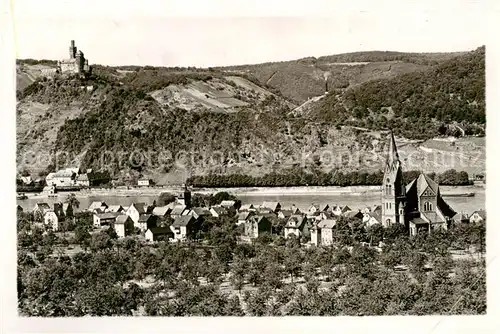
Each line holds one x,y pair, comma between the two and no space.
393,155
393,192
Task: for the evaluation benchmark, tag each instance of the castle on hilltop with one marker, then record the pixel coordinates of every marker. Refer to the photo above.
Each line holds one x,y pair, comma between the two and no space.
76,64
418,205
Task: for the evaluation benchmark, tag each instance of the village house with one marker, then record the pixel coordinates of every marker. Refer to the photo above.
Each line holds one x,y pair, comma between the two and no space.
39,210
322,233
355,214
247,207
98,207
323,215
146,221
295,226
218,211
257,225
59,210
366,210
270,206
243,217
135,210
105,219
19,209
68,209
477,216
143,182
124,226
372,218
295,210
62,178
51,220
285,214
460,218
313,209
158,233
83,180
199,212
26,180
177,211
184,227
162,212
115,208
228,204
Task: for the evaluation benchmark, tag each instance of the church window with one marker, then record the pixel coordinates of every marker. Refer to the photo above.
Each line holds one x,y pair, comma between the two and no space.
427,206
390,188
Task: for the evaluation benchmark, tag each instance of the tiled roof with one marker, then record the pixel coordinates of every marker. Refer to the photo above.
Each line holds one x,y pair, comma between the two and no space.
161,210
160,230
246,207
144,217
107,215
327,223
182,220
122,219
178,210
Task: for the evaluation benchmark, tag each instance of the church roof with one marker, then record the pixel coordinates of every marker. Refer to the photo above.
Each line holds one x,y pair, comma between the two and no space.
422,182
432,217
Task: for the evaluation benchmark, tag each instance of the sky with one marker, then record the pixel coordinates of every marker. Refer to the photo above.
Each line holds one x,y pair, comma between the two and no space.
220,32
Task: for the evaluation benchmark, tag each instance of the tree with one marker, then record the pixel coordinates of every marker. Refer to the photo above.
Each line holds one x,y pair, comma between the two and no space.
165,198
73,202
82,236
293,261
100,241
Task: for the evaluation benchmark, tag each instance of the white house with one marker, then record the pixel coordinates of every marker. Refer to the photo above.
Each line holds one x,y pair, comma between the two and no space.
295,226
62,178
322,233
115,208
83,180
372,218
98,207
218,211
135,210
271,206
143,182
155,233
50,219
124,226
105,219
243,217
183,227
477,216
247,207
228,204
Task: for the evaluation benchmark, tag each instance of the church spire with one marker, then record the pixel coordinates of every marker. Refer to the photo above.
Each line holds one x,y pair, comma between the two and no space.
393,150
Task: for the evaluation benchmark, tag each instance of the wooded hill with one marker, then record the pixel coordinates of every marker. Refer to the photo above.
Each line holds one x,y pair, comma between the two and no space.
231,110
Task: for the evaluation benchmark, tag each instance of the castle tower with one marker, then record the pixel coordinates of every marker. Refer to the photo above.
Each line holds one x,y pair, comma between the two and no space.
393,191
72,50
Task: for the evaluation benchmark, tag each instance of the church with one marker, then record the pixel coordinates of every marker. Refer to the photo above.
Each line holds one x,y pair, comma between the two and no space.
418,205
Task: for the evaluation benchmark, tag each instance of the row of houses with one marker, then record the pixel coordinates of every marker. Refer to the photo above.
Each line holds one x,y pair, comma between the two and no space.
178,221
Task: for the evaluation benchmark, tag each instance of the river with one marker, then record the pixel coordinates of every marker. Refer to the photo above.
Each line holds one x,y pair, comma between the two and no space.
302,197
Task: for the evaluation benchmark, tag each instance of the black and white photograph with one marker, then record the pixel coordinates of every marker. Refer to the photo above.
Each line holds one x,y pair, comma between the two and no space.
249,166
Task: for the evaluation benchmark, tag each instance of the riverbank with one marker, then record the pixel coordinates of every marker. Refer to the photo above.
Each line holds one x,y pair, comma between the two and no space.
251,191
